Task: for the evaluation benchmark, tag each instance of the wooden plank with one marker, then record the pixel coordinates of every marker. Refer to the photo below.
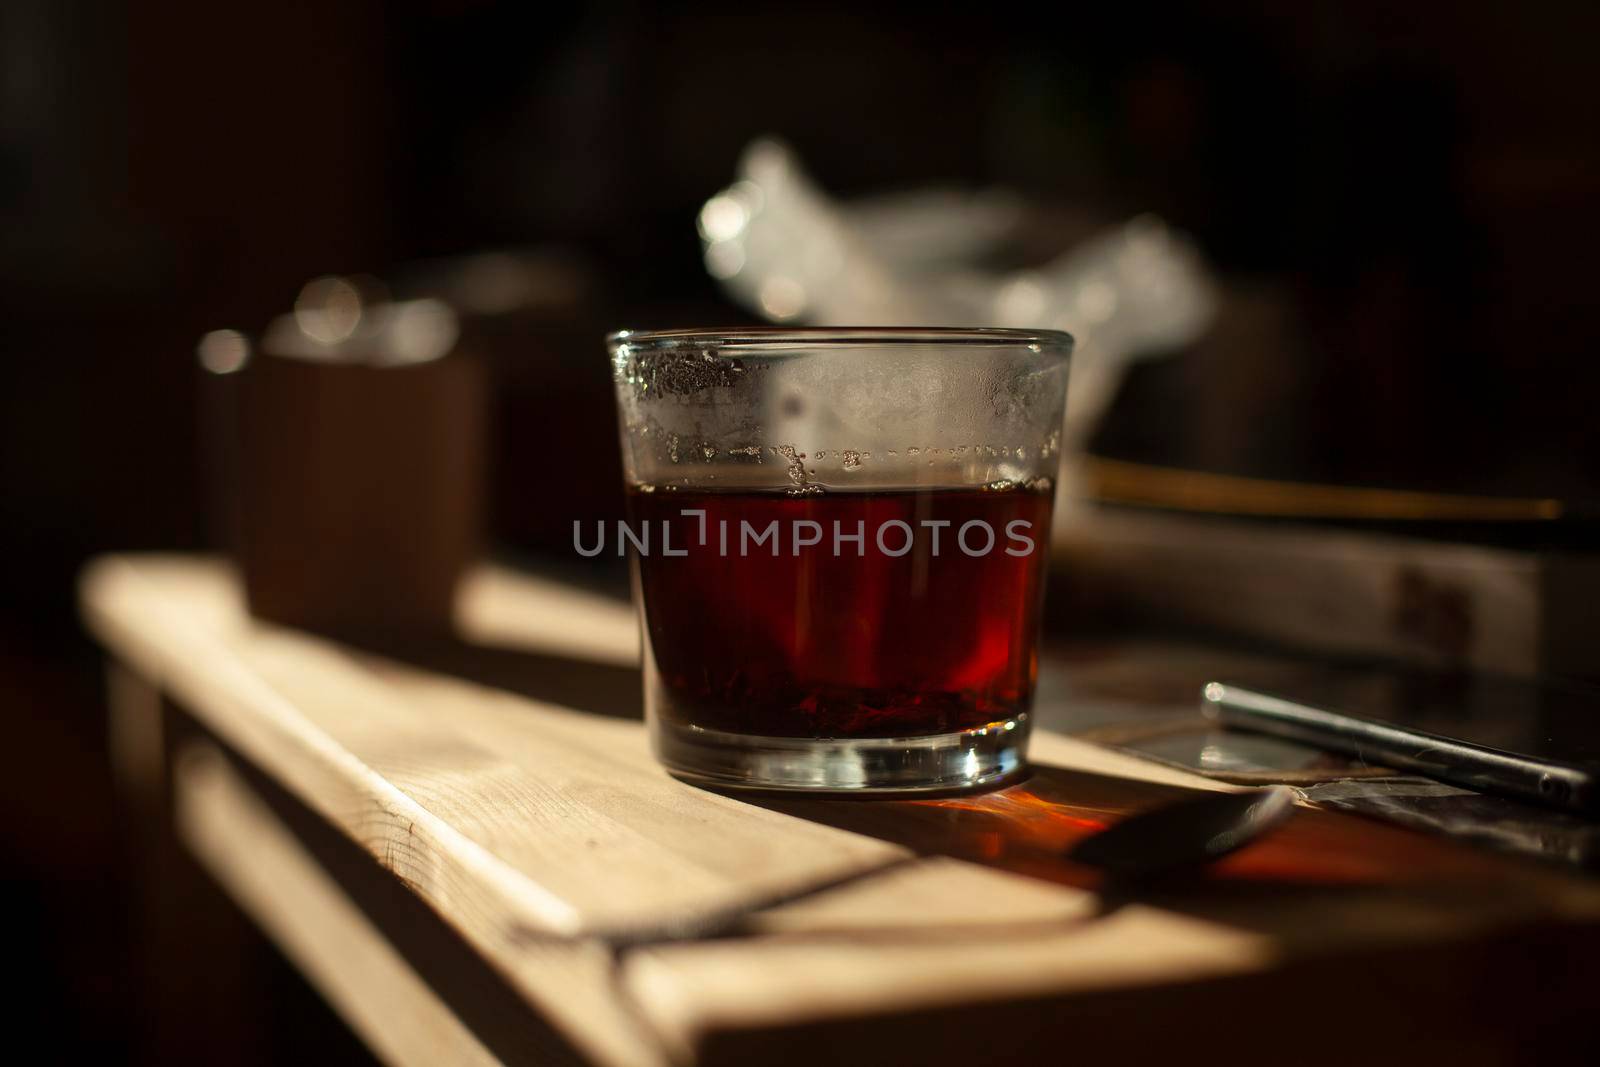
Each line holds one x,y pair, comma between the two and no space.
189,1009
517,822
544,819
551,840
597,818
693,992
1312,903
1328,590
1141,985
261,865
492,608
180,623
958,899
844,973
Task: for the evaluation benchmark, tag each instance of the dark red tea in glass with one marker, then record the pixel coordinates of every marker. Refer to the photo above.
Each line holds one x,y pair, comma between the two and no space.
840,540
844,639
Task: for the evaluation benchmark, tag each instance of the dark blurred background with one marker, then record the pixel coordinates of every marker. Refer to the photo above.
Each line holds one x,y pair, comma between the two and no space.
1399,199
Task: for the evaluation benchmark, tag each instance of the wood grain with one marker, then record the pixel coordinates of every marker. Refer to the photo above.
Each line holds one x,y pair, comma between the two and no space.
260,863
552,821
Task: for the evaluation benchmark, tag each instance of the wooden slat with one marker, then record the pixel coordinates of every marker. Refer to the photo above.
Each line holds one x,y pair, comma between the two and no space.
553,843
492,608
238,839
693,991
1335,591
180,624
1142,985
960,900
914,965
534,817
598,823
850,957
943,931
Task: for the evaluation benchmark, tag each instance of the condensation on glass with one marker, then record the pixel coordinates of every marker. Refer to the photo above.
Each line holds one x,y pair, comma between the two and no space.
839,542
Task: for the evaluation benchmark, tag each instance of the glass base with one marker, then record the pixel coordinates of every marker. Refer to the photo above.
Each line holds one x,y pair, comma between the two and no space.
969,759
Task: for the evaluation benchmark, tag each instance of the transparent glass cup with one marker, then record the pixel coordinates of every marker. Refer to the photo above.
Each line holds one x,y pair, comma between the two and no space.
839,540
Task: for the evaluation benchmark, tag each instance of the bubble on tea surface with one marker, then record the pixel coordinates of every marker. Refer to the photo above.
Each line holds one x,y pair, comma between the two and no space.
851,459
796,461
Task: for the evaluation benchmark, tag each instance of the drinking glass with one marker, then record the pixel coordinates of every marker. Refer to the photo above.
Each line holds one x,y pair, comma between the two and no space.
839,542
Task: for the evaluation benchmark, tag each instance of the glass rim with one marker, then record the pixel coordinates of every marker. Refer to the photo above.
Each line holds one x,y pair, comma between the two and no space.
777,338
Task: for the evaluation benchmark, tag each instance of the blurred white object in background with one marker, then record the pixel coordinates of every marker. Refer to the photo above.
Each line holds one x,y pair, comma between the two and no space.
782,248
